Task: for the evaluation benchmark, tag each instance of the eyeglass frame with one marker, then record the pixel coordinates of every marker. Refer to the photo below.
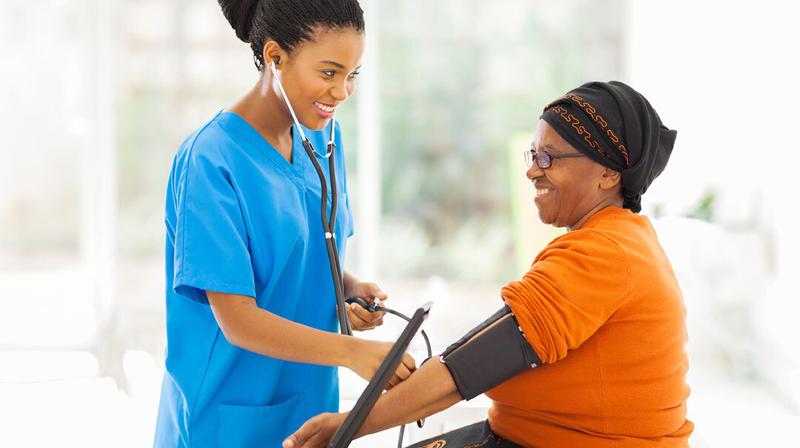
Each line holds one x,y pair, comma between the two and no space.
541,158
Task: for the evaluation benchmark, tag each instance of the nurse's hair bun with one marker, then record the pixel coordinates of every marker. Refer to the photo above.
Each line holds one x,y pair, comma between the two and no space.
239,14
288,22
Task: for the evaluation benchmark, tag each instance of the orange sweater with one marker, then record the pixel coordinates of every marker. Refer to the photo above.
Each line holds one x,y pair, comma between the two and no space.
603,310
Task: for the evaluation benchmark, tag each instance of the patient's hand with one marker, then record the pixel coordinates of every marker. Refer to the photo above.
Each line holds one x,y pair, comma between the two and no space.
316,432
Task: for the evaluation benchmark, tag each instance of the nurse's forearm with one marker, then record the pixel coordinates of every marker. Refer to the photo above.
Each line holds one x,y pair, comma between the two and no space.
430,389
246,325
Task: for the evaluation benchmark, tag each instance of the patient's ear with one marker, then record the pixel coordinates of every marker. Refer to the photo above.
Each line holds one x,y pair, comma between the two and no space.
610,179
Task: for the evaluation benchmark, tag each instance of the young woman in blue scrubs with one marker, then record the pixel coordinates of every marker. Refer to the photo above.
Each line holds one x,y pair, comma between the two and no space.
252,347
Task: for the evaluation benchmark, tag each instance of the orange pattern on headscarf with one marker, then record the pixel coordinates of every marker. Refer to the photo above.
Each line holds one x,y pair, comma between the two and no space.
580,129
592,113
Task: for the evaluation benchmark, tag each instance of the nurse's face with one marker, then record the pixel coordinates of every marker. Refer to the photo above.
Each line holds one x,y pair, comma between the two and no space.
571,189
320,73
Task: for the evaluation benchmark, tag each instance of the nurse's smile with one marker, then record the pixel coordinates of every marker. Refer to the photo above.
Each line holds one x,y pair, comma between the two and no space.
321,73
325,111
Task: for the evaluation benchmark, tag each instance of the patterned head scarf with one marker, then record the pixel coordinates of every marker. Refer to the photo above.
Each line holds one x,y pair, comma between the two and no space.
616,127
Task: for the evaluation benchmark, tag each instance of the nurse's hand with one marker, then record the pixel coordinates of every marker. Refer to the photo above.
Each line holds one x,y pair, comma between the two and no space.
316,432
361,319
369,355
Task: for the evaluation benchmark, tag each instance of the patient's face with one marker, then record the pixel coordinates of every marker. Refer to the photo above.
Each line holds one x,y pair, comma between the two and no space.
570,187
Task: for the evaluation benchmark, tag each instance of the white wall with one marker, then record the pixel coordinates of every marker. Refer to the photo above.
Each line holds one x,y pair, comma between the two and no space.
724,74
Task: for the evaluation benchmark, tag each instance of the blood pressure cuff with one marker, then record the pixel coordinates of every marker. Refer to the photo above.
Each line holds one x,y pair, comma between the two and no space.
489,354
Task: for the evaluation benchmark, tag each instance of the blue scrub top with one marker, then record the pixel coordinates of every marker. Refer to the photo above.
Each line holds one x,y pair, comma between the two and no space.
242,220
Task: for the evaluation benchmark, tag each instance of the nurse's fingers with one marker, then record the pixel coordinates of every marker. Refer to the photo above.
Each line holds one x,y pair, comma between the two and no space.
309,429
365,315
402,372
362,319
409,363
356,321
374,291
316,432
378,293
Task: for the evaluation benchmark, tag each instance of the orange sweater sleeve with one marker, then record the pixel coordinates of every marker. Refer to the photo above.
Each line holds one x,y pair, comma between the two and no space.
575,284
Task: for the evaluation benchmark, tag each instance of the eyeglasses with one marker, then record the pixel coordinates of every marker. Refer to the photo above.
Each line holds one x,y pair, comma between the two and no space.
544,160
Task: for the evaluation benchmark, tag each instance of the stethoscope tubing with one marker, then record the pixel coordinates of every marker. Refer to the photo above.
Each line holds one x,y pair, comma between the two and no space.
328,226
328,222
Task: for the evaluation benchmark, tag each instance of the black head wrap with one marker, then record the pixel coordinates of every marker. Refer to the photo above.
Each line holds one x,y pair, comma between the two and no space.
617,127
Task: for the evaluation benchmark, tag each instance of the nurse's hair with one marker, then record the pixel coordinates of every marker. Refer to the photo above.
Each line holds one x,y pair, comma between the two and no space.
287,22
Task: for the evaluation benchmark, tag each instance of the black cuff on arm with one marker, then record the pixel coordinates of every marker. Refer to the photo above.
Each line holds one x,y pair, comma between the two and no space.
489,354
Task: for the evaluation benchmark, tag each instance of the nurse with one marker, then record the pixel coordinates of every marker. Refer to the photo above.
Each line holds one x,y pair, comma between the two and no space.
252,347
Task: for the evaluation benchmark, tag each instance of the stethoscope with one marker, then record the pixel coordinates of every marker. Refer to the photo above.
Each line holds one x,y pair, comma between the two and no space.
328,223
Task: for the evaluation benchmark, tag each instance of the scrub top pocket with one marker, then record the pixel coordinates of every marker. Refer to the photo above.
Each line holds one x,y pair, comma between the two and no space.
259,426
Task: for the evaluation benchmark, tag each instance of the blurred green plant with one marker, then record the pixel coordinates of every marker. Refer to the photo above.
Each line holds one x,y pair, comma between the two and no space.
458,78
704,208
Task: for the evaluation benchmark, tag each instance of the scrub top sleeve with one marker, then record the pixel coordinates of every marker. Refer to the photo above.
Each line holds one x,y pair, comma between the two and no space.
211,243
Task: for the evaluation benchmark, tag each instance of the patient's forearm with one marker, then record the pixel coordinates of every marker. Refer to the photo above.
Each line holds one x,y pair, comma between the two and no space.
430,389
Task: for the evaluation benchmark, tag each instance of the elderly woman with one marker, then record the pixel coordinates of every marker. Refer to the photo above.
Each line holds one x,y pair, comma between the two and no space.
592,354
